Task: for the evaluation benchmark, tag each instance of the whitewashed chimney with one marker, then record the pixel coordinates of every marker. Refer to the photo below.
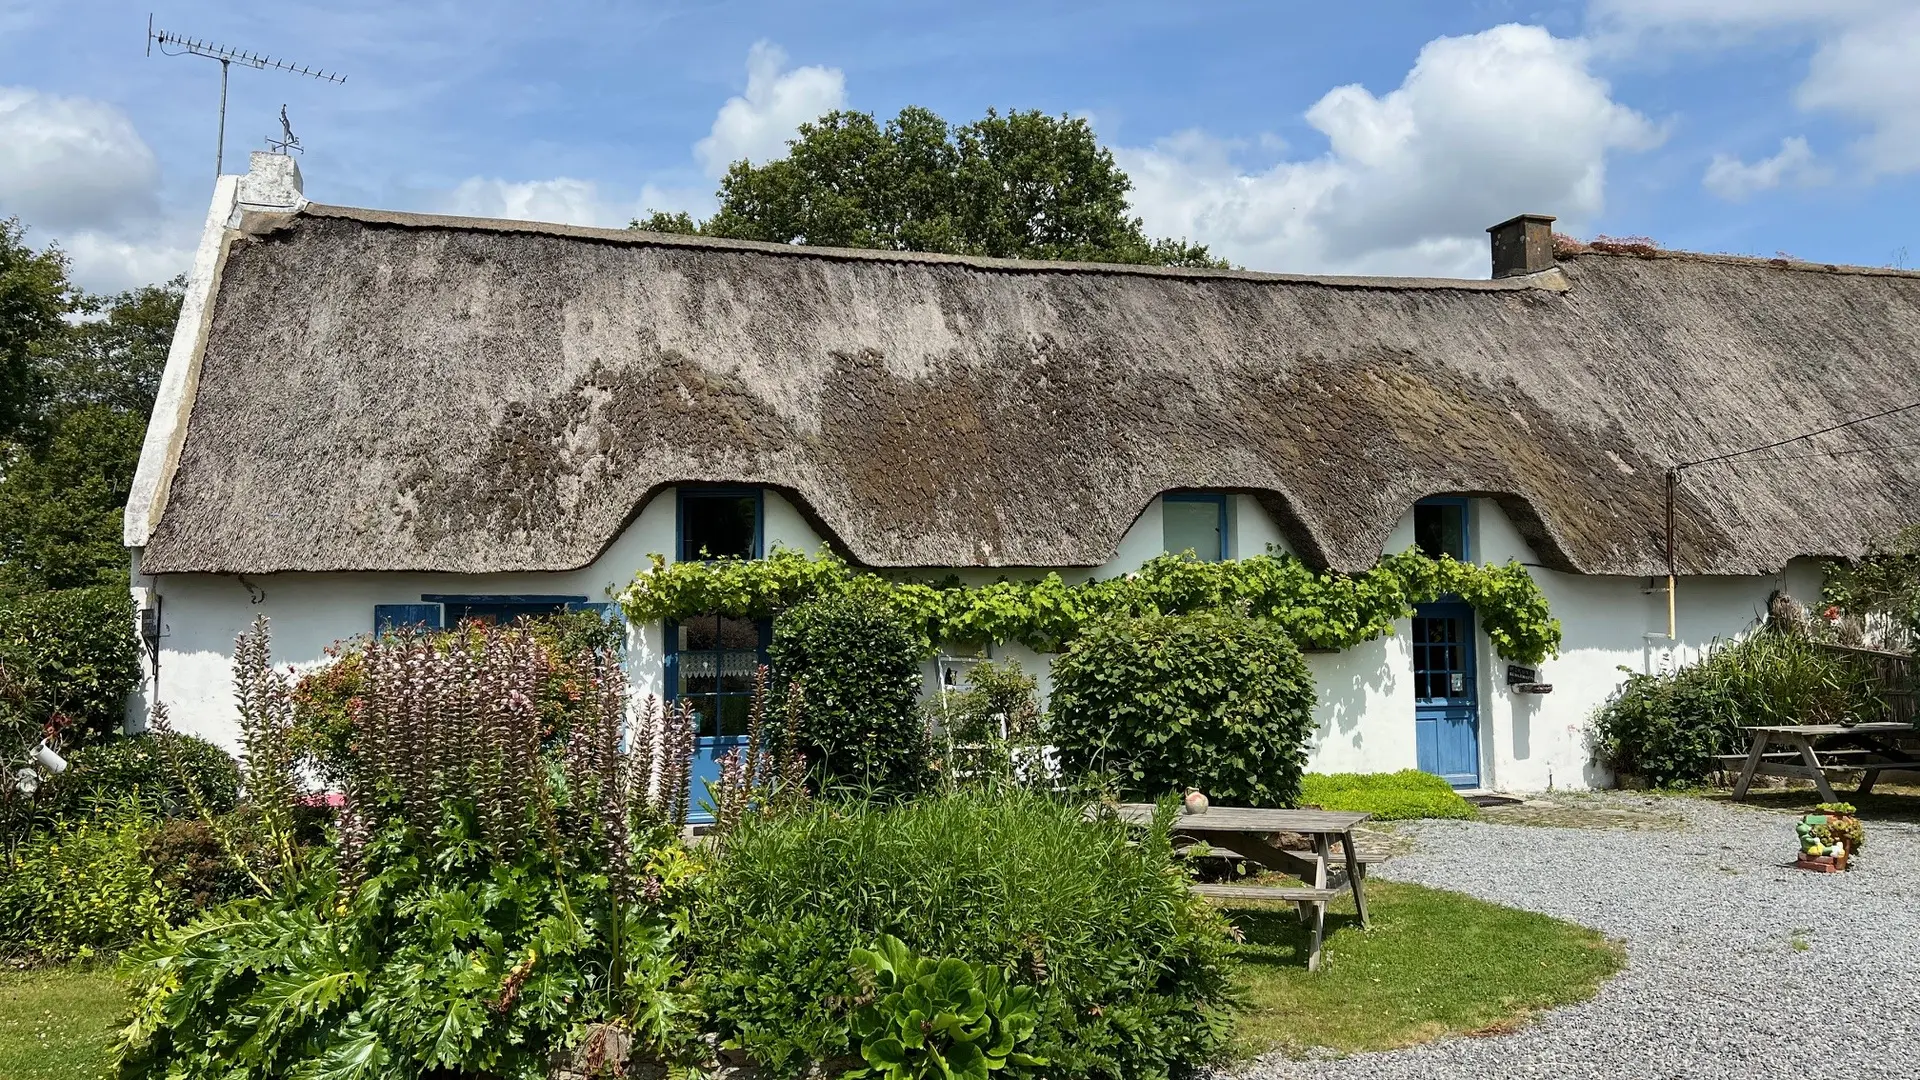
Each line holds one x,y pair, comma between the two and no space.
272,182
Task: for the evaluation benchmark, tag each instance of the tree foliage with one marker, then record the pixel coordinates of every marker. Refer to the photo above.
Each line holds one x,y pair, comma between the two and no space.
35,297
1023,185
78,375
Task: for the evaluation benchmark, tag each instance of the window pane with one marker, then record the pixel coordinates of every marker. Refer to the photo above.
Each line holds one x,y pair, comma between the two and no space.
718,632
718,526
1440,530
734,711
1192,525
737,672
699,673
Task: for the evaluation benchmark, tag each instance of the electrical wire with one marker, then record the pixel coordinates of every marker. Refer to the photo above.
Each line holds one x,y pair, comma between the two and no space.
1842,453
1797,438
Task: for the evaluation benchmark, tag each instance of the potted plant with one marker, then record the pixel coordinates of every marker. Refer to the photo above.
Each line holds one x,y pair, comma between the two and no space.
1829,837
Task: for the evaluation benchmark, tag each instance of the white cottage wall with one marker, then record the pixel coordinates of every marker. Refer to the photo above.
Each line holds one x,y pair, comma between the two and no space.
1365,708
201,614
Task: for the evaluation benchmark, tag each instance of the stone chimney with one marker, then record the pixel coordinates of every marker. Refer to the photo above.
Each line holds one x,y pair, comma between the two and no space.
272,182
1523,245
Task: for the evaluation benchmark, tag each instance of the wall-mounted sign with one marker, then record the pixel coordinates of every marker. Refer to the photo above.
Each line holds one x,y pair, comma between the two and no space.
1526,680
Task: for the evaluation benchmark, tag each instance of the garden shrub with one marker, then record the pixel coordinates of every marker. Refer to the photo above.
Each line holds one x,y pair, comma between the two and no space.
1215,701
495,895
143,768
1669,729
80,888
857,663
193,869
1127,966
74,656
1396,796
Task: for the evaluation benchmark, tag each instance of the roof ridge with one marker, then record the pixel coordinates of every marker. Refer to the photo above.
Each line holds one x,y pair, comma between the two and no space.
1550,280
1635,249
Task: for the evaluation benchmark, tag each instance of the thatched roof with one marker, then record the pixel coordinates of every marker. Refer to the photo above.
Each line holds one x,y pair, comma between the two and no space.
397,392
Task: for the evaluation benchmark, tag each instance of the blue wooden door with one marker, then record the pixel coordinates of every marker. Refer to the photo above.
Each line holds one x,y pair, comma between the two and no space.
712,664
1446,710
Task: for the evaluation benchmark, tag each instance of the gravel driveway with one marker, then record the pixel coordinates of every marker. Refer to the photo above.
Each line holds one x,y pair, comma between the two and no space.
1714,986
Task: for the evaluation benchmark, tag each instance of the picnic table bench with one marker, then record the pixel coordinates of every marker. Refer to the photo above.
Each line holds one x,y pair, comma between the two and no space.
1815,750
1251,832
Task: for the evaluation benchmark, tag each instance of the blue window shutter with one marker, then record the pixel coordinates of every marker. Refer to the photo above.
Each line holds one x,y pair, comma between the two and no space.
401,616
608,612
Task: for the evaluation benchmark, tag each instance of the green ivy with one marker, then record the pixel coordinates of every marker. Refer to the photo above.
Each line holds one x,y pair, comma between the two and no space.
1318,610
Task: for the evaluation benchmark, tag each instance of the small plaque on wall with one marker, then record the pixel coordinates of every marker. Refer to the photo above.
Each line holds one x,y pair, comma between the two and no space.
1526,680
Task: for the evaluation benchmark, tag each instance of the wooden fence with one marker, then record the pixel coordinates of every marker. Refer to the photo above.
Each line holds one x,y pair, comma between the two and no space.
1896,674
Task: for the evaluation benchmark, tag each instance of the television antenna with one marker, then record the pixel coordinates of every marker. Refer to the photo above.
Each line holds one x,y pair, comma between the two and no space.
178,45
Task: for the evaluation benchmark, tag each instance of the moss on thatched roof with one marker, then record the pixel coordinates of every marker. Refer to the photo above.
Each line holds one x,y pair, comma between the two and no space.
396,392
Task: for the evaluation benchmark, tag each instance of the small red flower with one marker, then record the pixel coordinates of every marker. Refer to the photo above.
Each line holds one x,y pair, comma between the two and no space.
1832,614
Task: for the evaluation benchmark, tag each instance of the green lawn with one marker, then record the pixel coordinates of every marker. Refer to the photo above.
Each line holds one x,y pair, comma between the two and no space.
1399,796
56,1024
1433,963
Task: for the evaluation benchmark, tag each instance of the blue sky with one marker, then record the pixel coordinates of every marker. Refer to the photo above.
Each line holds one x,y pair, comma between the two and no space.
1359,137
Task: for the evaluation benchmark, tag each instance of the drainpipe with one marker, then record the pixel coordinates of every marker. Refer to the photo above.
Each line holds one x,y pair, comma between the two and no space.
1673,481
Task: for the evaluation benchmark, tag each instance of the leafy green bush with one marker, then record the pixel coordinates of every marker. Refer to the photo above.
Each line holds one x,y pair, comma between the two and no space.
1884,582
1215,701
1126,965
937,1019
74,655
857,663
80,888
1397,796
1670,728
142,768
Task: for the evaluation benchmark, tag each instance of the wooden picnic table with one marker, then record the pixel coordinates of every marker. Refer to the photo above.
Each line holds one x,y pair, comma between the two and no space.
1253,832
1815,750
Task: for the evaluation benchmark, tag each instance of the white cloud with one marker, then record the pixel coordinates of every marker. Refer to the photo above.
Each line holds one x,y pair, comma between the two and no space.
1863,65
563,200
104,262
757,124
1483,127
1730,178
69,162
77,172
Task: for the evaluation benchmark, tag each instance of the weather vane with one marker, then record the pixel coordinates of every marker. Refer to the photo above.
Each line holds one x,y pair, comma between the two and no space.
287,140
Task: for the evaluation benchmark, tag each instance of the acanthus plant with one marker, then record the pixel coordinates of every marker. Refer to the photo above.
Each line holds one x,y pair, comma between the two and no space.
497,895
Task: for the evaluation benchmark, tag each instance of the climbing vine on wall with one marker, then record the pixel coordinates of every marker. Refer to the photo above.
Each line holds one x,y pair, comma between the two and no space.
1319,610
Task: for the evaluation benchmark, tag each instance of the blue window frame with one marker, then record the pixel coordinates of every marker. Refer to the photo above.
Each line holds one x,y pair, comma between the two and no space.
1440,527
438,610
719,523
713,661
1194,521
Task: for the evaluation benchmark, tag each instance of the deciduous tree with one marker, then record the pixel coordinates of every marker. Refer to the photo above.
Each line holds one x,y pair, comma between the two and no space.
1023,185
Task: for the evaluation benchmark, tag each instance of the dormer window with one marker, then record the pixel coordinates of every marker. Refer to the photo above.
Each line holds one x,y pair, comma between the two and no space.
1194,521
720,523
1440,528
